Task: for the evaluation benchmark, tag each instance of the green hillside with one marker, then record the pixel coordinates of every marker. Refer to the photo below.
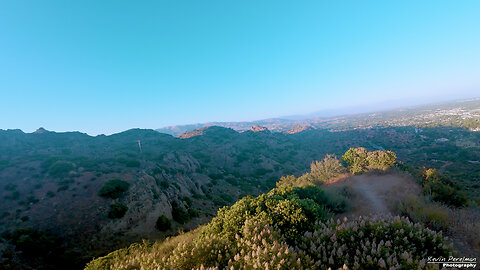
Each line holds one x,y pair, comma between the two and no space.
287,228
94,195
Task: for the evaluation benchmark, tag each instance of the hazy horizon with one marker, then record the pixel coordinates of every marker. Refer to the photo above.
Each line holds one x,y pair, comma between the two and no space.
345,111
100,67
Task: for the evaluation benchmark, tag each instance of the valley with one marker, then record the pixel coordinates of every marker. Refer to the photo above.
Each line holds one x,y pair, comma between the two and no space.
460,113
96,194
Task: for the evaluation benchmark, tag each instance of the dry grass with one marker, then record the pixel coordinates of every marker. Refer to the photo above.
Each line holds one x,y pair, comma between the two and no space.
460,224
464,225
375,194
399,194
128,258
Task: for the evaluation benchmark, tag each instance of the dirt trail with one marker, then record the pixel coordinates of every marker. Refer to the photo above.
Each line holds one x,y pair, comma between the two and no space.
377,194
382,194
377,203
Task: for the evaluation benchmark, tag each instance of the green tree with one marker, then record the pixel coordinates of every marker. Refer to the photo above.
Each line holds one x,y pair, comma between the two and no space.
292,209
326,169
359,160
179,213
442,189
356,158
113,188
163,223
320,172
431,175
117,210
380,160
61,168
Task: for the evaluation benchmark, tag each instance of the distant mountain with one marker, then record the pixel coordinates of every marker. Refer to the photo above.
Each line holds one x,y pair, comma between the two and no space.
53,185
274,124
455,113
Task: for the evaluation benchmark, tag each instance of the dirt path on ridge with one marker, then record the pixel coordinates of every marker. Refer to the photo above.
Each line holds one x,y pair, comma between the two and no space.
377,194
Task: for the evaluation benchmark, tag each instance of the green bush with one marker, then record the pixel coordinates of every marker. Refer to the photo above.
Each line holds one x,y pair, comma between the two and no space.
359,160
193,213
442,189
444,193
163,223
320,172
113,188
218,201
117,210
418,209
293,210
31,241
62,188
179,213
40,250
246,237
163,184
187,200
326,169
60,168
226,197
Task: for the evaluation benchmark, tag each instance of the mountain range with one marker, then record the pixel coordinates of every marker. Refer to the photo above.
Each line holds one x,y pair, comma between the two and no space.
79,196
444,113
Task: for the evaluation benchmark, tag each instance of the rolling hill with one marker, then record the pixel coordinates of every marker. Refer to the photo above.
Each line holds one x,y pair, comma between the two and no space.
89,195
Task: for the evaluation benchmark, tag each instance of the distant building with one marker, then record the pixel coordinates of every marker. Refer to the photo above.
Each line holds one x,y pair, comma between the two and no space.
442,140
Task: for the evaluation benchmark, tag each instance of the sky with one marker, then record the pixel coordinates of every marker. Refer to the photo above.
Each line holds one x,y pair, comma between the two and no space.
102,67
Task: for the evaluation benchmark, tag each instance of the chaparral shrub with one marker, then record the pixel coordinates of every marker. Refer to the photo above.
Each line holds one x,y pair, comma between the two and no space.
117,210
287,228
163,223
113,188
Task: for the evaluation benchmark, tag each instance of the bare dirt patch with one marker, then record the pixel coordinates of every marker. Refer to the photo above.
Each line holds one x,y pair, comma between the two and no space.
385,194
377,194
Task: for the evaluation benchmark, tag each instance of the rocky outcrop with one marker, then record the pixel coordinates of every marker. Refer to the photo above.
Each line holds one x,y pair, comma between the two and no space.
257,128
299,128
193,133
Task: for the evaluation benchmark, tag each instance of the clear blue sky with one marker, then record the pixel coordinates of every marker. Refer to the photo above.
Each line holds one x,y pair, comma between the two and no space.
107,66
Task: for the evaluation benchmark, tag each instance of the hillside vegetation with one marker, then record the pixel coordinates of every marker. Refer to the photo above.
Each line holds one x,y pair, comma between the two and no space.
299,225
287,228
98,194
461,113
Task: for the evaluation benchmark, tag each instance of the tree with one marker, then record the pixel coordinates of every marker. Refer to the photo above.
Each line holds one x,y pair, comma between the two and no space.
443,189
359,160
430,175
328,168
179,213
163,223
117,210
356,158
288,180
113,188
380,160
61,168
320,172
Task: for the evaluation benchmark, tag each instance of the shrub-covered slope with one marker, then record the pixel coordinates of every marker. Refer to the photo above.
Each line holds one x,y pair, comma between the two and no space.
287,228
60,184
